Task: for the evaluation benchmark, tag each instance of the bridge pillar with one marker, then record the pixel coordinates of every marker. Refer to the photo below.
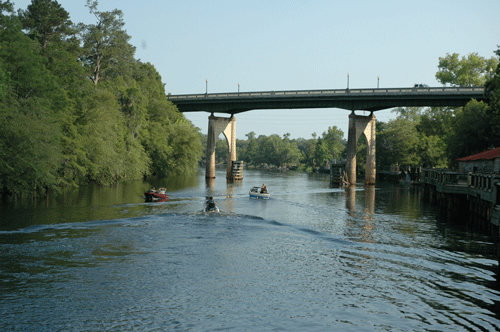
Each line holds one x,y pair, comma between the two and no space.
216,126
359,124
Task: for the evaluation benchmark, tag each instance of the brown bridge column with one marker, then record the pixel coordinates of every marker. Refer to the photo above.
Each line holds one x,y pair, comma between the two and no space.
359,124
216,126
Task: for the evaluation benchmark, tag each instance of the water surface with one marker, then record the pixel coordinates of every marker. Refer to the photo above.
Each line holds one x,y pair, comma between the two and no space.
311,258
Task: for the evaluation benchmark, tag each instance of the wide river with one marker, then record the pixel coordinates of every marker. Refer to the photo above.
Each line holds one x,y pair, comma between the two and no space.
311,258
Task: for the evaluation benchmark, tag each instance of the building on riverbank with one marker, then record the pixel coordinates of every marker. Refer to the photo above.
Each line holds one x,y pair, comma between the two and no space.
486,161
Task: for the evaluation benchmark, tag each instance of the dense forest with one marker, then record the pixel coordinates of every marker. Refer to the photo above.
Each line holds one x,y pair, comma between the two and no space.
77,107
418,136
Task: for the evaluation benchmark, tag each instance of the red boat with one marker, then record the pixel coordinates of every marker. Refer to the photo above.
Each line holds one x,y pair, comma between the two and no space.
159,195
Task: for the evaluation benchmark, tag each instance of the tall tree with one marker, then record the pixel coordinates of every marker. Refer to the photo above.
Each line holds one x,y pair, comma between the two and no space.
28,76
171,142
46,21
101,126
470,133
107,52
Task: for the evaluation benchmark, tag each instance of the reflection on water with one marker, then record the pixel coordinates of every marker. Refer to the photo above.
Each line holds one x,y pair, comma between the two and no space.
351,199
369,202
310,258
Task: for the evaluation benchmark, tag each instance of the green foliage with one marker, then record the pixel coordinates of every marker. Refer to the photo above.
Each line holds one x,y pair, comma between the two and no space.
4,83
28,76
29,146
400,137
471,130
72,114
330,146
76,106
107,53
281,151
472,70
170,141
186,153
45,21
100,127
308,150
492,92
433,151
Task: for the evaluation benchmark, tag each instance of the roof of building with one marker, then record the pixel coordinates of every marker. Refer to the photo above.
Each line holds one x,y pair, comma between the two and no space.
486,155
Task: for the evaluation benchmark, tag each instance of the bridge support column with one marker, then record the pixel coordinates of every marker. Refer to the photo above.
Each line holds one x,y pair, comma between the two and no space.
216,126
359,124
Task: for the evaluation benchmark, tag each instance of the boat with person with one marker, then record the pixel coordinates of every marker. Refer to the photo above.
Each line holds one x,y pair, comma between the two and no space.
153,195
259,192
210,206
211,210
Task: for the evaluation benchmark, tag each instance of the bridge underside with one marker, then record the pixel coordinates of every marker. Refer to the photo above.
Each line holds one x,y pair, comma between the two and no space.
362,100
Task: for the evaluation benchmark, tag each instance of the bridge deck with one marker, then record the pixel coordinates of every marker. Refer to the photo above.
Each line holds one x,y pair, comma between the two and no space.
349,99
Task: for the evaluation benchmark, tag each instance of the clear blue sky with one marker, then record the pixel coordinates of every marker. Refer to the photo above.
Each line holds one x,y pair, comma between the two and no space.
298,45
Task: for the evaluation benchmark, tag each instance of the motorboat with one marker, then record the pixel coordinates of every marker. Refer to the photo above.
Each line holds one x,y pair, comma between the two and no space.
256,192
210,206
211,210
159,195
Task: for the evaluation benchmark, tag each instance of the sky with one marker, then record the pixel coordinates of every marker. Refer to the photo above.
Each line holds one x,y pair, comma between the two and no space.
298,45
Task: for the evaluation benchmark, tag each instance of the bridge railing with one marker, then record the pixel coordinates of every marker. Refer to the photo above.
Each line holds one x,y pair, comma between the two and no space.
300,93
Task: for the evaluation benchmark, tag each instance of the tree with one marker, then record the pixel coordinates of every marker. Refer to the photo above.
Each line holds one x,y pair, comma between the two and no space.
27,74
29,147
307,148
160,127
252,148
107,53
471,131
401,138
492,93
46,21
432,151
101,125
333,139
472,70
330,145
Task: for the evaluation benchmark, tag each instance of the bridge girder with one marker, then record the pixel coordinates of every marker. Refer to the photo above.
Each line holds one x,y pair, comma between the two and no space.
360,99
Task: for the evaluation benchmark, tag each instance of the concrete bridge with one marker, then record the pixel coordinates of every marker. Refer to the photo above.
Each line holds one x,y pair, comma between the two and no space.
371,100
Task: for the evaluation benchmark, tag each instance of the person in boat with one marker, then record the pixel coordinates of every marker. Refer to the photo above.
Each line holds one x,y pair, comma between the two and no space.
263,189
211,203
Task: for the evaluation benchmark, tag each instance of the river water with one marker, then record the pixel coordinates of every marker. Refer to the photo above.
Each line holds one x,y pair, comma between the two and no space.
311,258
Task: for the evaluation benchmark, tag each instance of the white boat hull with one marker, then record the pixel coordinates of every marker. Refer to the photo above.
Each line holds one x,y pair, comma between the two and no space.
256,194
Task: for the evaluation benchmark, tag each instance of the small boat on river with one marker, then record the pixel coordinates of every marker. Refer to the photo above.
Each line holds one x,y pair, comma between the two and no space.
210,206
257,193
211,210
159,195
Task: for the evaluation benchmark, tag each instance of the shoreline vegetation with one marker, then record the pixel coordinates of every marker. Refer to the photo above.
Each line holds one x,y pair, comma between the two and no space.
77,107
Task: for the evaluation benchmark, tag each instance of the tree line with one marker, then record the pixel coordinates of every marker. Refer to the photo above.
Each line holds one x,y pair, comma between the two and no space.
418,136
77,107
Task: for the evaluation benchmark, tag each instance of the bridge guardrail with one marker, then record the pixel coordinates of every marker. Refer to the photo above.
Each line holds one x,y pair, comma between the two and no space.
270,94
